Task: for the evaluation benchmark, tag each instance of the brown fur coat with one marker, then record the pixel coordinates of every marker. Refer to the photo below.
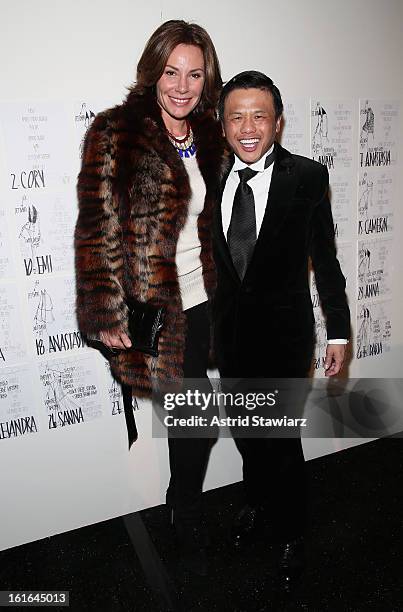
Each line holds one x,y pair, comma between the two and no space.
133,193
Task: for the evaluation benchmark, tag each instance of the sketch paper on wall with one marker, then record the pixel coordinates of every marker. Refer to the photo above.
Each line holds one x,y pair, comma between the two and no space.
332,133
53,321
374,269
378,137
38,145
44,233
70,391
18,413
374,329
295,134
375,202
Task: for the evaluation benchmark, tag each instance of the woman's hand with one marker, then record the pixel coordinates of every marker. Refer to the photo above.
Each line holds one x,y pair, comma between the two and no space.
115,340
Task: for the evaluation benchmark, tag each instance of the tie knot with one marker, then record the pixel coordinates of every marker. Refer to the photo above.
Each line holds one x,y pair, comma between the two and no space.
246,174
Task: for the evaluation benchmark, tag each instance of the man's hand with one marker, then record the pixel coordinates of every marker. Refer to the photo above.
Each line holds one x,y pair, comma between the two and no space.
335,354
115,340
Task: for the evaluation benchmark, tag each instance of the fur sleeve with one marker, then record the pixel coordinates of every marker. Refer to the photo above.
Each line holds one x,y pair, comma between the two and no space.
98,245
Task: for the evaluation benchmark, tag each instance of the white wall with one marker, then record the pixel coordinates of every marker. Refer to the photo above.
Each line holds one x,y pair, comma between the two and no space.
65,52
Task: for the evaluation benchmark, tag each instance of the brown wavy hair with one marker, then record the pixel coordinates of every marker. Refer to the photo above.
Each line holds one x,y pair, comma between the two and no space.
160,46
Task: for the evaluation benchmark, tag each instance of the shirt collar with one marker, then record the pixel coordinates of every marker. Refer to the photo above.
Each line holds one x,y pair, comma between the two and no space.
258,165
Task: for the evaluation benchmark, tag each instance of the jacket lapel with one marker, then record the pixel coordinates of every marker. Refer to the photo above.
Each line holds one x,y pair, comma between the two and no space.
220,239
283,185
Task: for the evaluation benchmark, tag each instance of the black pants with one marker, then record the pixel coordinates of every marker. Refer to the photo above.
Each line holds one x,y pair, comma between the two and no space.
274,467
274,477
188,457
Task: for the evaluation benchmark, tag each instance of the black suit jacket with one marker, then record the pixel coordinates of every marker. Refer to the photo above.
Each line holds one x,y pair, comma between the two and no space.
264,325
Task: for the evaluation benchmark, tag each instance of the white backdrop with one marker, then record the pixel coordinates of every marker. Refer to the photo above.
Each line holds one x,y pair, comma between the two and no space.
63,443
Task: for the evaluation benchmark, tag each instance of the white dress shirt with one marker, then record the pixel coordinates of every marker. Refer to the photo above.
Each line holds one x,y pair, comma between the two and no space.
260,185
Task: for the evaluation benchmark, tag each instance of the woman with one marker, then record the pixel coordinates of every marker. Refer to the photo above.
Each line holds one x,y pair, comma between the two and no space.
146,192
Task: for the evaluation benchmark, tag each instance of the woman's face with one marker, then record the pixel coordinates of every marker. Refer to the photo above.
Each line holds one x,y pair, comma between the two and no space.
180,87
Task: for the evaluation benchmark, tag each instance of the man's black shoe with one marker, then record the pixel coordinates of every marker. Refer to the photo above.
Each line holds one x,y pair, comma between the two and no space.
247,526
291,563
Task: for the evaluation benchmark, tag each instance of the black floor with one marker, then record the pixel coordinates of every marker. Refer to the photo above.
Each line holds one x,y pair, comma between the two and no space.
355,556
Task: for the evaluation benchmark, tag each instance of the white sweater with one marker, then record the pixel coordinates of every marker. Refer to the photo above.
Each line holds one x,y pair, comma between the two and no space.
188,248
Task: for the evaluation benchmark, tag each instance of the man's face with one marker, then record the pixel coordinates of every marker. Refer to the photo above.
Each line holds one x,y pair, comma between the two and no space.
249,124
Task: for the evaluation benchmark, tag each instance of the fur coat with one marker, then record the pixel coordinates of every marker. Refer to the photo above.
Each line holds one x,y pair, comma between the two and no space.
133,194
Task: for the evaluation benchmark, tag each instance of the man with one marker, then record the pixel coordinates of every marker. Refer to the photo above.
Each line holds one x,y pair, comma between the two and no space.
268,225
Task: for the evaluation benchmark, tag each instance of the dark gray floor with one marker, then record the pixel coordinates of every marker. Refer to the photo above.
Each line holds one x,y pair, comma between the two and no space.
355,557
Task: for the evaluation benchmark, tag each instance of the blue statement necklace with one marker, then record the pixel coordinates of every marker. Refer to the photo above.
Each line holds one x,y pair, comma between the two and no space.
185,145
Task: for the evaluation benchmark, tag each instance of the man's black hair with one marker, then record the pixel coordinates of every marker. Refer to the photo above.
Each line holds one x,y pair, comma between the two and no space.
251,79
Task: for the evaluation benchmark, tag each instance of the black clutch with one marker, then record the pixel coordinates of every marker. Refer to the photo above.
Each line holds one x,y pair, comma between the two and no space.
145,324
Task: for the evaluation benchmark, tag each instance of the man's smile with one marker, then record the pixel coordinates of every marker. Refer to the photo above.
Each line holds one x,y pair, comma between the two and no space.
249,144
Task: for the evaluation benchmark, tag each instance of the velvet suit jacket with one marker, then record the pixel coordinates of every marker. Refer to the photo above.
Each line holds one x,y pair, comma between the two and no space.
264,325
